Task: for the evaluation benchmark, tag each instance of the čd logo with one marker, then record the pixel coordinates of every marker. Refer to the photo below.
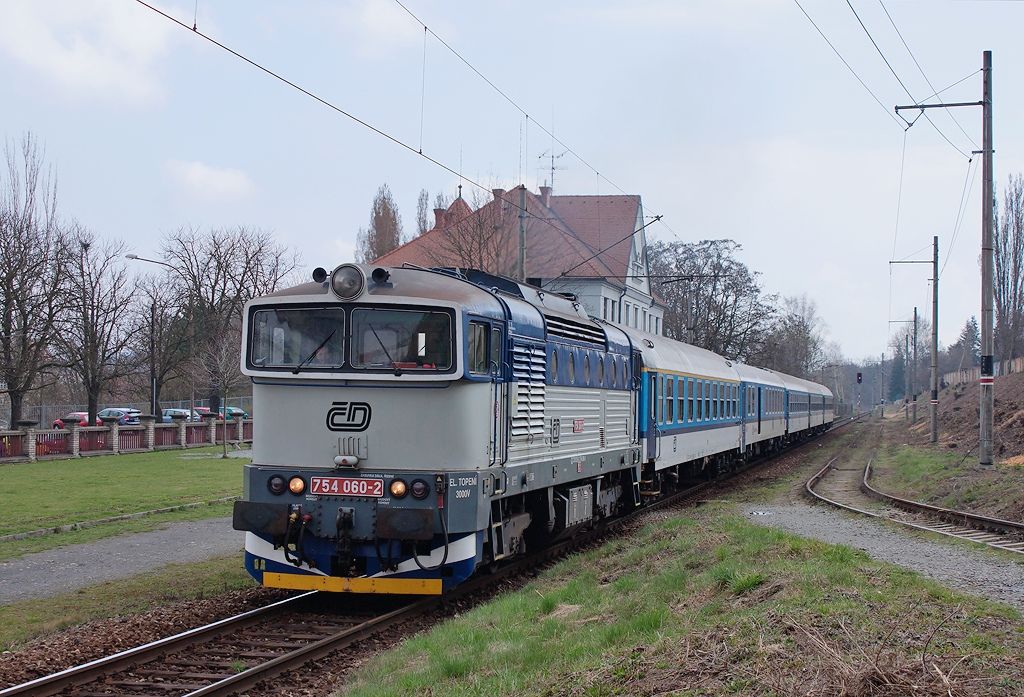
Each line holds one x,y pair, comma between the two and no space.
348,416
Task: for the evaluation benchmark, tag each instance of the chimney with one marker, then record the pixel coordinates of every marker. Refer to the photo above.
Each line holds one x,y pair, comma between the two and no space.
545,196
499,202
439,221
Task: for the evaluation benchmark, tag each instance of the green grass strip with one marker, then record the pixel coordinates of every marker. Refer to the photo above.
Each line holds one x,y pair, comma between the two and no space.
712,605
49,494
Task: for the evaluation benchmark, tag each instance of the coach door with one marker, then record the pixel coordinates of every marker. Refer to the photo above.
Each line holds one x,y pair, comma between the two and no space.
758,410
653,395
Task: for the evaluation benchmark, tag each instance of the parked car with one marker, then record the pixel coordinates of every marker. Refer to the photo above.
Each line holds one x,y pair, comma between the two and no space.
168,415
234,413
202,411
126,416
82,417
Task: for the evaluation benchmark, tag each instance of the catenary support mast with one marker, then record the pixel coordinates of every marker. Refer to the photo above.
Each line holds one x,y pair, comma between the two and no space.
987,218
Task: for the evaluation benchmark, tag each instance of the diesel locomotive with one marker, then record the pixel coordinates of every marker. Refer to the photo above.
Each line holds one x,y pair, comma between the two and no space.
417,424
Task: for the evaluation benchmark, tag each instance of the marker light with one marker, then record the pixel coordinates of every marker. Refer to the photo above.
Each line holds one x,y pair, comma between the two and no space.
296,485
420,489
276,484
347,281
398,488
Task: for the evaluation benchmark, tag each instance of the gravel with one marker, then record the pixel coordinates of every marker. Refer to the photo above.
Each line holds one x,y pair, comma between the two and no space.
67,569
964,569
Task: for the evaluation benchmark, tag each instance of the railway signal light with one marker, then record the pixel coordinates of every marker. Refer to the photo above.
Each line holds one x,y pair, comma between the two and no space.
860,378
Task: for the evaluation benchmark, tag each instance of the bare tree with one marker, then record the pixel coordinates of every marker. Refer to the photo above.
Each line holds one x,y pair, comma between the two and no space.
442,200
477,240
385,231
796,344
422,212
216,273
1008,239
162,332
712,298
95,334
220,363
33,272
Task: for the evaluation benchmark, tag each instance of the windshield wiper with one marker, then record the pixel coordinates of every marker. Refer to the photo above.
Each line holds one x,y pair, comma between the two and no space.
311,356
398,371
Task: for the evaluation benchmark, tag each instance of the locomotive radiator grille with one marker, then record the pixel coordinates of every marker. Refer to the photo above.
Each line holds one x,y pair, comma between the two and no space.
529,369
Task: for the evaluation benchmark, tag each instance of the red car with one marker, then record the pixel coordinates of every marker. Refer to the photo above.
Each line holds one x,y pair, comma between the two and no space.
82,416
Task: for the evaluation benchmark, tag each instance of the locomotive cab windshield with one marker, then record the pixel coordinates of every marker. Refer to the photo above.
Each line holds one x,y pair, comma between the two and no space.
361,338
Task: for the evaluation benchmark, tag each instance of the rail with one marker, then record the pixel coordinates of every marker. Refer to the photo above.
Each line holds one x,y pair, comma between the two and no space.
993,532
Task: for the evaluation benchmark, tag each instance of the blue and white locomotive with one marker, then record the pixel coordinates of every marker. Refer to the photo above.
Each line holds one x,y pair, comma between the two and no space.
417,424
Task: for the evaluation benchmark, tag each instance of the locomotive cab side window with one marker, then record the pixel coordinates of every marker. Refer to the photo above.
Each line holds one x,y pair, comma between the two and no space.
476,349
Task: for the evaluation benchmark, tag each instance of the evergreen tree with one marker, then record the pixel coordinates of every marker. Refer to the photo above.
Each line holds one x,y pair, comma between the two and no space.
898,376
969,344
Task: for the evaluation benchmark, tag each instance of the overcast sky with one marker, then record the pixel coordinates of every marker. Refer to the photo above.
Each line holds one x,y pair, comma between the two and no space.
733,119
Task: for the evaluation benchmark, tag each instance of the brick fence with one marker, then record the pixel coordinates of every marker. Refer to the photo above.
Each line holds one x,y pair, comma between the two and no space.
29,443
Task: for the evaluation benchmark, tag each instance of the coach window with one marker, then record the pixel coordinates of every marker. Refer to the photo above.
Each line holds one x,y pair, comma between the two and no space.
554,365
572,367
681,400
586,370
615,371
670,401
661,399
600,371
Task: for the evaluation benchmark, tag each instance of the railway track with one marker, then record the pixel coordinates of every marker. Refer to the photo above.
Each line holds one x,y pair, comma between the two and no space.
850,488
239,652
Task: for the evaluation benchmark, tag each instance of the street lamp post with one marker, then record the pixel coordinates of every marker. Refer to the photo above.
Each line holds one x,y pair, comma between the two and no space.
152,336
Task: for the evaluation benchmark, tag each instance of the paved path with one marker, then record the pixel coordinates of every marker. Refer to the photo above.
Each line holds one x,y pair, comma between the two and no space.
66,569
969,570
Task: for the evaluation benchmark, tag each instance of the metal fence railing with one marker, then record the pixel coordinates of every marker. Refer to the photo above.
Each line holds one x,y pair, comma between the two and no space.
34,443
12,444
165,435
131,438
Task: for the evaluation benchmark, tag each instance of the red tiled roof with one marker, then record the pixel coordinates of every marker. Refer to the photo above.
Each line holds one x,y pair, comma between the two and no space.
568,233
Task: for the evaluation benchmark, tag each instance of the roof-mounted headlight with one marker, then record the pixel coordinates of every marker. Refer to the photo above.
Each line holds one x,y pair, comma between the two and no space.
347,281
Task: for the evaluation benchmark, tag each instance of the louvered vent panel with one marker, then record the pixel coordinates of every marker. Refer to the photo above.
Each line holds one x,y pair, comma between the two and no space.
578,331
529,368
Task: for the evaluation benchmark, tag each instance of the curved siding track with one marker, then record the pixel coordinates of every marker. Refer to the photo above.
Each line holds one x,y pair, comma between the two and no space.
849,488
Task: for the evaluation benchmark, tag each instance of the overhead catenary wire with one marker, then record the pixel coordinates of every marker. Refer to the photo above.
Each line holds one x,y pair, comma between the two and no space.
972,170
549,132
895,75
899,122
330,105
925,76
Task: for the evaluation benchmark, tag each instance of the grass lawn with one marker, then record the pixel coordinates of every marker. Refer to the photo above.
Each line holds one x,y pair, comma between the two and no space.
50,493
706,603
25,620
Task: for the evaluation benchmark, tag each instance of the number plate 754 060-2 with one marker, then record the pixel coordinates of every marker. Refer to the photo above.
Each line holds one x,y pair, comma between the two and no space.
346,486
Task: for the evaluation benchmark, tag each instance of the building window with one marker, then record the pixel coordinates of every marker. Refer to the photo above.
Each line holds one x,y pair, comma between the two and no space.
636,316
646,327
604,308
625,309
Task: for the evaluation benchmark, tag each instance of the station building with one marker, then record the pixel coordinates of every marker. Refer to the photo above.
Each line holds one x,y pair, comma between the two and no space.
573,244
